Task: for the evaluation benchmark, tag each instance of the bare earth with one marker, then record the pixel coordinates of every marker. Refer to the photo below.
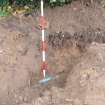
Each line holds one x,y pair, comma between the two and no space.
75,54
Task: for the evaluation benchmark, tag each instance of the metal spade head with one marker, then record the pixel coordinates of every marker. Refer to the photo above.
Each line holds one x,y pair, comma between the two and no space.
46,79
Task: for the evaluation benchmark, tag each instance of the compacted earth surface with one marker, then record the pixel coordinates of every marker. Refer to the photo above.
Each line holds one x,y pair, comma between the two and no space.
75,38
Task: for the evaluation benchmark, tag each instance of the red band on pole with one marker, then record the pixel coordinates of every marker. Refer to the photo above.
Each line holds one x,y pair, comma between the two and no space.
42,22
44,66
43,46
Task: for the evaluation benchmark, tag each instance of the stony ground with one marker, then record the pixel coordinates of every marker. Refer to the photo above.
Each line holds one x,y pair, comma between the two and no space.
75,52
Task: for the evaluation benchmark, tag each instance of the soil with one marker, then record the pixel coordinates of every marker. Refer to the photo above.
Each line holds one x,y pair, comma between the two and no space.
75,38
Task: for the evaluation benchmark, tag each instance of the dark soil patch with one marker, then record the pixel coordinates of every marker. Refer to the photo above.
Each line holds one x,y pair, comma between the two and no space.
78,39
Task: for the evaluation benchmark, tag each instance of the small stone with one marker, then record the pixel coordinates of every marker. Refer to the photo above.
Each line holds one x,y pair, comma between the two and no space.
17,101
25,99
68,100
15,95
1,51
20,98
63,36
75,9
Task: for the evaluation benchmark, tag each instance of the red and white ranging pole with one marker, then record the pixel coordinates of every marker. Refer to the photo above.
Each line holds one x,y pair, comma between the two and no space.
43,24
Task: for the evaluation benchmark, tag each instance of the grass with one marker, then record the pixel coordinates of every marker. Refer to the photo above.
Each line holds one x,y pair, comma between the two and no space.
4,13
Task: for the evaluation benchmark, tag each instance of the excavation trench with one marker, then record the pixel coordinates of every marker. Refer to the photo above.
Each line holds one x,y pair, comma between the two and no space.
65,51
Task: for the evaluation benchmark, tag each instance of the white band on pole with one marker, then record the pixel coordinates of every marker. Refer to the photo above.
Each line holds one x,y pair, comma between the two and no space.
43,39
44,56
42,11
44,73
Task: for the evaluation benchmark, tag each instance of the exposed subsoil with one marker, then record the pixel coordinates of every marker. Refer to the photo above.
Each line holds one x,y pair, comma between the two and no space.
75,40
